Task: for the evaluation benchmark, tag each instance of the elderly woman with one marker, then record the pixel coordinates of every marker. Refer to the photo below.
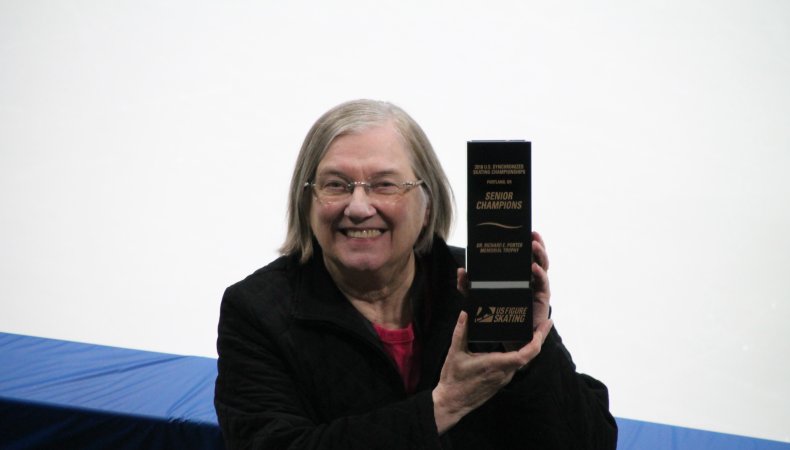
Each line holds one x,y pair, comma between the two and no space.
356,338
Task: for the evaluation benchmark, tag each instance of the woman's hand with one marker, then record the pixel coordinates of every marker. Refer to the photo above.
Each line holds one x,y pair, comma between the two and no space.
469,379
540,281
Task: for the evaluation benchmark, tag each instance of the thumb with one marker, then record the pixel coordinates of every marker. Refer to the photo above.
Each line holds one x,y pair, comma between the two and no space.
458,343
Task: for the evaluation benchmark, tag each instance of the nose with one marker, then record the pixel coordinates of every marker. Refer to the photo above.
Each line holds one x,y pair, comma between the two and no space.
359,206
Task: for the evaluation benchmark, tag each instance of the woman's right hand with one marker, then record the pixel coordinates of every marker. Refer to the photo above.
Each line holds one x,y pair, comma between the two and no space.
469,379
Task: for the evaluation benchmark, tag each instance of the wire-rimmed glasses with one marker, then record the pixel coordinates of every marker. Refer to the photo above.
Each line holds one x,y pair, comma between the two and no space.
334,190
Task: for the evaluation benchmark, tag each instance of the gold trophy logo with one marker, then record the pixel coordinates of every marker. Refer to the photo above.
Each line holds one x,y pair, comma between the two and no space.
485,314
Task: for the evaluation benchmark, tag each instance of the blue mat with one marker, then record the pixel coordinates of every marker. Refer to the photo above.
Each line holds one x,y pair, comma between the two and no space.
58,394
638,435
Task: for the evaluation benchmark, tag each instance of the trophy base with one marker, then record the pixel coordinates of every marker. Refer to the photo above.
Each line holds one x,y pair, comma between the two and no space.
500,316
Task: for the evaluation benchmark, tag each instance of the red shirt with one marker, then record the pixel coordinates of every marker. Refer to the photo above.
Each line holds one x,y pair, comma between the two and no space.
402,347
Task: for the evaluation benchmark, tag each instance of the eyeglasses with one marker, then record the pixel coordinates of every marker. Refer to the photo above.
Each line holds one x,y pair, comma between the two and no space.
333,190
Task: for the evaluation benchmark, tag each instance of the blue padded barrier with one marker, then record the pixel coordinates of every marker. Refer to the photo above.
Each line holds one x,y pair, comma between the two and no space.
67,395
639,435
58,394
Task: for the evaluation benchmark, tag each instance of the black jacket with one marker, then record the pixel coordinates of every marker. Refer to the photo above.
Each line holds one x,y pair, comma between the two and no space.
299,367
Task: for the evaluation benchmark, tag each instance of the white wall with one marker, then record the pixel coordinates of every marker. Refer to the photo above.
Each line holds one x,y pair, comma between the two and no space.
145,149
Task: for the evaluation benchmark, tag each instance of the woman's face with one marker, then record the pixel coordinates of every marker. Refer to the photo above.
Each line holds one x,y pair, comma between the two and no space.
360,234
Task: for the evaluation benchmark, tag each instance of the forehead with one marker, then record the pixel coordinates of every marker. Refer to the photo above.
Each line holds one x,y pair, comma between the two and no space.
378,149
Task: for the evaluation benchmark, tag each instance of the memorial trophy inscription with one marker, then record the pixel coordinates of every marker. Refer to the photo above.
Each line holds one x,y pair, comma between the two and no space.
499,241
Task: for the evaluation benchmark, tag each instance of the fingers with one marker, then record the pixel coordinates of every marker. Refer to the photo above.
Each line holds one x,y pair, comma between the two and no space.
542,288
541,278
540,268
539,251
537,237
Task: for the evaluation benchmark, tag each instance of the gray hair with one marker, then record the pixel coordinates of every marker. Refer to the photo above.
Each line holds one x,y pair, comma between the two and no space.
353,117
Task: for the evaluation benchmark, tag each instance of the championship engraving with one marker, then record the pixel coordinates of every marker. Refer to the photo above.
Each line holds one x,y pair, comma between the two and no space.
499,241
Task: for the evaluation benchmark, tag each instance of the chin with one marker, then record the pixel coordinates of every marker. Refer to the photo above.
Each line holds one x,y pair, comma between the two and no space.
362,263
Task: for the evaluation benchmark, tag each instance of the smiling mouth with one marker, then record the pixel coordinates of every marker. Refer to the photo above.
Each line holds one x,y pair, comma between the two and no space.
369,233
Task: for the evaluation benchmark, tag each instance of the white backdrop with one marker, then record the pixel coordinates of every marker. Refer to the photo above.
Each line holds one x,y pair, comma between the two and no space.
146,146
